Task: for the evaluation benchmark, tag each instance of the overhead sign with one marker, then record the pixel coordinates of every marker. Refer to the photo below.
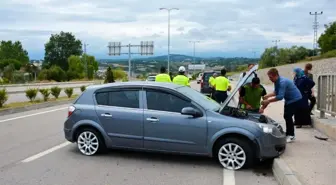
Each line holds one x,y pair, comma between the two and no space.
196,67
114,48
146,48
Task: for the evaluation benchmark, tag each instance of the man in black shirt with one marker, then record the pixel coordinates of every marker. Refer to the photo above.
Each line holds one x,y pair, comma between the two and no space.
312,98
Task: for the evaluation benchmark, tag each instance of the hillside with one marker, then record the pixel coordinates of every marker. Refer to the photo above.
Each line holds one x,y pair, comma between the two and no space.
322,66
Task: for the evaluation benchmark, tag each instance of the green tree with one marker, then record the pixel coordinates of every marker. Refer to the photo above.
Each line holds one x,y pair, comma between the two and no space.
14,51
59,48
92,65
76,68
327,41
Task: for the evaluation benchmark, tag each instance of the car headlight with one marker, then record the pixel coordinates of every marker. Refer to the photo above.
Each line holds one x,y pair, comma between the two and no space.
266,128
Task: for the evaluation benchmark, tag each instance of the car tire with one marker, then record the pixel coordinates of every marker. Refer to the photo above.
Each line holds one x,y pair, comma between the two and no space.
90,142
240,156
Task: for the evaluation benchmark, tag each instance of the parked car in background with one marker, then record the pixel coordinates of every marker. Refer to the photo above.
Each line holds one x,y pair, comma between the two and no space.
150,78
166,117
199,78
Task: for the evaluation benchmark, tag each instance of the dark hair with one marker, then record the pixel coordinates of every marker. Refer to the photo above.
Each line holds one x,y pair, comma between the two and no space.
256,81
223,72
273,72
309,66
163,69
250,64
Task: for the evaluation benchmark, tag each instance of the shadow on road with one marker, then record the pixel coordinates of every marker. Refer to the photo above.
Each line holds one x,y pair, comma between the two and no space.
261,168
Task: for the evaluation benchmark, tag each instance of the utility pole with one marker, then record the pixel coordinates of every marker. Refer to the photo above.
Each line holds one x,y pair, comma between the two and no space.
315,27
194,43
146,48
85,61
254,53
276,42
169,9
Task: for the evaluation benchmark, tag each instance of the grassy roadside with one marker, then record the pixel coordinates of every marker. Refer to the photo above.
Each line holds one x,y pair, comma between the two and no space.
38,101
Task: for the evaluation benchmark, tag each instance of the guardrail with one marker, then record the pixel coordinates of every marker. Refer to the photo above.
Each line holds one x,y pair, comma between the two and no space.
326,99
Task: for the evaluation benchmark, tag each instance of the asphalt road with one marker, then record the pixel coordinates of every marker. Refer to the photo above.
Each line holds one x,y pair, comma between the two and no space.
34,152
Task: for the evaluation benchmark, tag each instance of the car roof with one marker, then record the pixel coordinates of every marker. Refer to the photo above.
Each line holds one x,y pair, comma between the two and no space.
136,84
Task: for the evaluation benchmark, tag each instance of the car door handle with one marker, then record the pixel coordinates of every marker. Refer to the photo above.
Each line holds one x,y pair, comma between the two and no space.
152,119
106,115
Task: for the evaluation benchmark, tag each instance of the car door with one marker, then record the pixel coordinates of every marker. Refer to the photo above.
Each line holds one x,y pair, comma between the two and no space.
165,128
120,112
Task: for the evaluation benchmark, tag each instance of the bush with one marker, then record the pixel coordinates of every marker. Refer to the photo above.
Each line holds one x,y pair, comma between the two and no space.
68,91
45,93
83,88
55,91
3,97
31,94
125,79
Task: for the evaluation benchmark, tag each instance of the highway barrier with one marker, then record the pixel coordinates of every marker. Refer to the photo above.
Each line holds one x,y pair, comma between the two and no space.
326,99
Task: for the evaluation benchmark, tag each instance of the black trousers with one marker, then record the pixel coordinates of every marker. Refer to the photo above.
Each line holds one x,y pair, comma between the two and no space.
312,100
220,96
291,110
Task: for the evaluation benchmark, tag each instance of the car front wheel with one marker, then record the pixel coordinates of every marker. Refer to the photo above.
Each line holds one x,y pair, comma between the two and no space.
89,142
234,153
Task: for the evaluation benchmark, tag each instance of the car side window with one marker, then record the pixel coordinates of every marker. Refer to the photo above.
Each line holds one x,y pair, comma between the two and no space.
123,98
162,101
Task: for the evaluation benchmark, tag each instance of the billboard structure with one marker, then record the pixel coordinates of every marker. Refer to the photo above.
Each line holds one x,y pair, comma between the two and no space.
145,48
196,67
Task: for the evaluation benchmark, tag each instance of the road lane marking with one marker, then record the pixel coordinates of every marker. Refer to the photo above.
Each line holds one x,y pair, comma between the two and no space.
30,115
229,177
41,154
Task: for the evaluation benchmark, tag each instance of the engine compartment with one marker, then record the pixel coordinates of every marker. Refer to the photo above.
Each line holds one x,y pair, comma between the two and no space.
248,115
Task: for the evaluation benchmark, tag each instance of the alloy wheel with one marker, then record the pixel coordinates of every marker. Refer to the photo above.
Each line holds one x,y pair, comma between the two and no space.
232,156
88,143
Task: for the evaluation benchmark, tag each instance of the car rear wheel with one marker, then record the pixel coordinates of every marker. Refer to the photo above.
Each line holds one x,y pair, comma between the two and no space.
89,142
234,153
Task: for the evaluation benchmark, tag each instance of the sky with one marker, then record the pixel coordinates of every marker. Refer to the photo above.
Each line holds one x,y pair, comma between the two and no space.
227,28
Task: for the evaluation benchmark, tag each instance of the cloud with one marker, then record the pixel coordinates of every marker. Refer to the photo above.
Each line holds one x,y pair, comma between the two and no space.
221,26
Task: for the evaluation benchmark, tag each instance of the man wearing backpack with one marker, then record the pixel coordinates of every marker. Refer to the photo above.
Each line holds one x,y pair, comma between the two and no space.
249,80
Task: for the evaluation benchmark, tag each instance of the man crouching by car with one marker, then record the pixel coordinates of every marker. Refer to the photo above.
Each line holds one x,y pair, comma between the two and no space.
251,94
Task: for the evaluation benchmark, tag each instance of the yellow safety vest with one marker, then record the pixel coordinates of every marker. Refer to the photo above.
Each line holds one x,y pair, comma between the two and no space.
162,78
181,80
221,83
211,81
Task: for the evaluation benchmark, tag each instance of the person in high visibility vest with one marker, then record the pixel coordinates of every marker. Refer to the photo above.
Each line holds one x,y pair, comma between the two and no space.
212,83
163,76
222,85
181,79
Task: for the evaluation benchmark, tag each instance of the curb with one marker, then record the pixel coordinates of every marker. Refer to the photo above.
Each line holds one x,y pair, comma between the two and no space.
34,107
326,126
283,174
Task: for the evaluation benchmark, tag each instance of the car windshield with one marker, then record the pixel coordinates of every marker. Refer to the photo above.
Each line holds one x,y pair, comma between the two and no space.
206,102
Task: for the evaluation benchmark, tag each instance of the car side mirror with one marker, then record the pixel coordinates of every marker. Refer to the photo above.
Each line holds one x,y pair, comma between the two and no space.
191,112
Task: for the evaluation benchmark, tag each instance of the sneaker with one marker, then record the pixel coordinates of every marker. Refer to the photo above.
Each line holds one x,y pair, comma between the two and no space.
290,139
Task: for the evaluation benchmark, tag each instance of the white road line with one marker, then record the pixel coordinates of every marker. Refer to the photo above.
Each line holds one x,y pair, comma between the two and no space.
229,177
25,116
41,154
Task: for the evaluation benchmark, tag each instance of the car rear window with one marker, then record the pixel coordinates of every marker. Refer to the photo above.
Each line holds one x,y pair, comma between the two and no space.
206,77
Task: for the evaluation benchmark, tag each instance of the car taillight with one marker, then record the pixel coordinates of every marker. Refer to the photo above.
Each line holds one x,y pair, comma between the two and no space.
202,83
71,109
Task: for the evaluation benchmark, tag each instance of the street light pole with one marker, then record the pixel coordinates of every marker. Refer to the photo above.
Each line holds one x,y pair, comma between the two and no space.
169,9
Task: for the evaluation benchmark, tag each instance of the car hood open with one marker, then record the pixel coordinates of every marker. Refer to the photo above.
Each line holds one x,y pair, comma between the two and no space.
239,84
